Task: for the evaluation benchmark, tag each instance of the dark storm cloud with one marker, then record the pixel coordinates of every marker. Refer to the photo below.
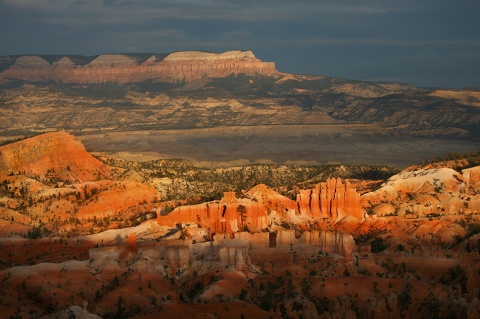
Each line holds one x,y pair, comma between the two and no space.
429,42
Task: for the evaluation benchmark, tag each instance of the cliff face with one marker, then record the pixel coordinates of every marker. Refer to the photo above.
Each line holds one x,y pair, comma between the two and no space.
177,256
329,241
236,256
119,68
227,216
52,155
332,199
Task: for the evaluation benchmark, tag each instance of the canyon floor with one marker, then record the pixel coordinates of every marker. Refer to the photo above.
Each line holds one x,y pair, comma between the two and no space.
293,144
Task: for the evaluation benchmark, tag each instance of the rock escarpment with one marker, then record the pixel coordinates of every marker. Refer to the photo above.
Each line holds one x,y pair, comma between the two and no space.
328,241
236,256
332,199
177,256
331,242
56,155
123,68
230,216
226,216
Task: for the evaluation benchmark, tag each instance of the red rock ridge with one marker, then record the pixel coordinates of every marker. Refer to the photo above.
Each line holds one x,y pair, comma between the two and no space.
176,67
55,154
227,216
332,199
271,199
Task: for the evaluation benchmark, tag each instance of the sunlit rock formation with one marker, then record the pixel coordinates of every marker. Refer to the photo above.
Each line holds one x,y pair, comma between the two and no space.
332,199
123,68
426,192
57,154
226,216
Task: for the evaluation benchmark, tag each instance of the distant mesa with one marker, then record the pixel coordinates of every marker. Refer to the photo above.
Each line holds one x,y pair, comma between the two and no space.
208,56
131,68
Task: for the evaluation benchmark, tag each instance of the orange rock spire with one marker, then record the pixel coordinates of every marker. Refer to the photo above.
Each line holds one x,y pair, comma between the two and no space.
332,199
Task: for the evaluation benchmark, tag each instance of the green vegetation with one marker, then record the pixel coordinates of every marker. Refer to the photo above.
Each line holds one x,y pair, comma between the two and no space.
37,232
405,298
469,159
472,227
379,245
200,184
456,274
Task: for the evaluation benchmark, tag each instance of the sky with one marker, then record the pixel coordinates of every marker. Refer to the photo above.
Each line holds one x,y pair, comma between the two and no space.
430,43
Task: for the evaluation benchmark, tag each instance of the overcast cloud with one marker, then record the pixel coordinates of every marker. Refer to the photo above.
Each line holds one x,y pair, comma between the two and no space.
426,43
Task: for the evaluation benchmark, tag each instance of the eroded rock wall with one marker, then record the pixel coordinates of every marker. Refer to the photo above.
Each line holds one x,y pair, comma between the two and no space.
328,241
236,256
177,256
226,216
333,199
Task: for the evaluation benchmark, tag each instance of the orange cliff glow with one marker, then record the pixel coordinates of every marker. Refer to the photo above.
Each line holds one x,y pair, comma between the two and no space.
227,216
333,200
56,154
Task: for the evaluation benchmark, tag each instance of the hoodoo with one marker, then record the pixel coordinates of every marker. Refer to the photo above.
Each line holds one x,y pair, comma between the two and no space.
332,199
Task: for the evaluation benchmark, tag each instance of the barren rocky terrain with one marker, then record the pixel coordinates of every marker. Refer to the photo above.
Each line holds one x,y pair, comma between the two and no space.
222,107
132,240
204,185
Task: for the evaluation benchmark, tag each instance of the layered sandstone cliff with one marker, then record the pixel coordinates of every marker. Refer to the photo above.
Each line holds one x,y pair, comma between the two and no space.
123,68
328,241
55,155
236,256
329,201
333,199
226,216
